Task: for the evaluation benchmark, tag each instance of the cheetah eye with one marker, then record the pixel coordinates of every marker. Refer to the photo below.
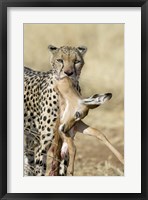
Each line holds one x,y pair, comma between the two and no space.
77,61
60,60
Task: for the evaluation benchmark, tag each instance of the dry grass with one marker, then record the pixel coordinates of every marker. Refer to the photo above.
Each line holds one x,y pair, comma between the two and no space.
103,72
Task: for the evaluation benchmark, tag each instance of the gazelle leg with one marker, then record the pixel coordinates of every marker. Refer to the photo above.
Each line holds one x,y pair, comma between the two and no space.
72,153
87,130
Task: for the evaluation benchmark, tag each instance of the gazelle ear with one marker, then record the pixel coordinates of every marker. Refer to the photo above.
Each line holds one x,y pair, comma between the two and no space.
82,50
96,100
52,48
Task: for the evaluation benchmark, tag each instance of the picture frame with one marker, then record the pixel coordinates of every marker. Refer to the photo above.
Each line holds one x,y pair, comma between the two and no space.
4,4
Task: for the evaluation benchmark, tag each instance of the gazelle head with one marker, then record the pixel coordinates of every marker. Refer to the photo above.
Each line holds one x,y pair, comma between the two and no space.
79,108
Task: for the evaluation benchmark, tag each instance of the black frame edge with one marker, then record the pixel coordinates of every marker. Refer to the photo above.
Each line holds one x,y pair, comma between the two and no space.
3,100
3,94
1,189
143,95
72,3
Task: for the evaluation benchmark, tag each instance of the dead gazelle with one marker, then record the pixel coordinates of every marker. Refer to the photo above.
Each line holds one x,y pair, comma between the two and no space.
72,109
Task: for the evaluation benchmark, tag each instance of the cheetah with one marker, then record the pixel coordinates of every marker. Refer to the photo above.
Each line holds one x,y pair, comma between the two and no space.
41,104
42,111
75,109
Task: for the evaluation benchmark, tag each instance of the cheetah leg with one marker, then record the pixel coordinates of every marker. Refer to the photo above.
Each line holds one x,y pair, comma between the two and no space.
85,129
40,161
29,165
28,156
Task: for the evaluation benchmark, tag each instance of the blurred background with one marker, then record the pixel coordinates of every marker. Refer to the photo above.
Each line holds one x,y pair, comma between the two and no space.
103,72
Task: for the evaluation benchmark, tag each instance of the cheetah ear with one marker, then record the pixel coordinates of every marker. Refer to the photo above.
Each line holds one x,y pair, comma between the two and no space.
52,48
82,50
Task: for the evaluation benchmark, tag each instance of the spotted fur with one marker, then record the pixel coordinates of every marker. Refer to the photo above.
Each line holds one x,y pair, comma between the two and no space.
41,109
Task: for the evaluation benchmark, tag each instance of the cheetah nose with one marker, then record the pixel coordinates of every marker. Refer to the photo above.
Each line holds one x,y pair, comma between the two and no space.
68,73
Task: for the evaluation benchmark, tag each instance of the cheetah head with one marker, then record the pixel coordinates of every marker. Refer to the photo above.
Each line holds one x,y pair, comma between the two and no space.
67,61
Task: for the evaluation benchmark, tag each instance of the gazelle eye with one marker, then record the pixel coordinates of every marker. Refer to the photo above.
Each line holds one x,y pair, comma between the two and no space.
77,61
60,60
77,115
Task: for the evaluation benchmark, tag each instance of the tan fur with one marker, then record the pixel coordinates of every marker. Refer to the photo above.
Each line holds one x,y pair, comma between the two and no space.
71,102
